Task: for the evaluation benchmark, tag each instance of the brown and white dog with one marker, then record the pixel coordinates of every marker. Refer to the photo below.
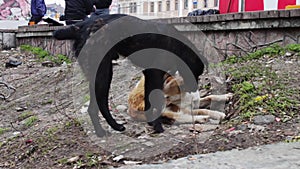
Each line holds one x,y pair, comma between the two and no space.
180,106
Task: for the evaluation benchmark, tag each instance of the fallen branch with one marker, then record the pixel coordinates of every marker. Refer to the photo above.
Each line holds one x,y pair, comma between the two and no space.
10,89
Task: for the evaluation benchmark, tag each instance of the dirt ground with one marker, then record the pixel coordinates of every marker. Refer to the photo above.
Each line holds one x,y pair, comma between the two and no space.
44,123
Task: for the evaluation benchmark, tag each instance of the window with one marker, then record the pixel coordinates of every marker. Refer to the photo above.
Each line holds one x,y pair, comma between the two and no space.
168,5
216,4
205,3
152,7
159,6
185,4
176,4
134,7
242,6
130,7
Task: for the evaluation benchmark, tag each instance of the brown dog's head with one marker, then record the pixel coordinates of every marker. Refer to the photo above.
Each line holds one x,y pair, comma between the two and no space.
172,88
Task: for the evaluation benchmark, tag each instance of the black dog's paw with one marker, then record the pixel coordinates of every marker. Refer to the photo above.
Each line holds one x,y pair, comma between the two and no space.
151,123
101,132
118,127
158,128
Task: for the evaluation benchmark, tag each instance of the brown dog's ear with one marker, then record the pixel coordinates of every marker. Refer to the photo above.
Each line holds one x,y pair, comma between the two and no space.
179,80
171,86
168,80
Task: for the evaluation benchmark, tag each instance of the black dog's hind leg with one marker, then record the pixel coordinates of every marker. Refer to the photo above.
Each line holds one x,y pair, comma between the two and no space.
153,109
102,85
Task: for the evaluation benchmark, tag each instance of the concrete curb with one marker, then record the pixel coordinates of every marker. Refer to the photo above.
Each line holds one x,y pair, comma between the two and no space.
273,156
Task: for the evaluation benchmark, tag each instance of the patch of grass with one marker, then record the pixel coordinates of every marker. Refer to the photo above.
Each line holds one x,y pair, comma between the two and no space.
31,121
293,47
50,101
52,130
270,51
3,130
86,98
25,115
63,161
73,122
260,89
43,55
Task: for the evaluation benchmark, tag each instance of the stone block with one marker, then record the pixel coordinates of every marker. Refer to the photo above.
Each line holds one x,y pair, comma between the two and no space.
191,19
1,40
8,40
238,16
284,13
213,18
269,14
250,15
199,19
229,17
221,17
206,18
295,12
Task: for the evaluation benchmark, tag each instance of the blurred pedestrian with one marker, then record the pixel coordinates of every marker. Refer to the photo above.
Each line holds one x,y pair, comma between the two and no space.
102,7
38,10
77,10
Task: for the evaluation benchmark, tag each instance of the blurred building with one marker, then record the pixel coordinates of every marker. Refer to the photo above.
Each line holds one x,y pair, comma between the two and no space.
54,10
148,9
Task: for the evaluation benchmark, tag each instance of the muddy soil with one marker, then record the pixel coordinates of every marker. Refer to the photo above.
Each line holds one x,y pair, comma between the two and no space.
44,123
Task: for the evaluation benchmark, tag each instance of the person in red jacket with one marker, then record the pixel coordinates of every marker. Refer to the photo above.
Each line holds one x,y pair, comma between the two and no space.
38,10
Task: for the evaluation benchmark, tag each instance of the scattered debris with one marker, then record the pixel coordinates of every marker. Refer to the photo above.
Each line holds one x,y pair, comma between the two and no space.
6,90
118,158
191,158
266,119
12,62
255,128
28,141
21,108
73,159
230,130
132,162
48,64
121,108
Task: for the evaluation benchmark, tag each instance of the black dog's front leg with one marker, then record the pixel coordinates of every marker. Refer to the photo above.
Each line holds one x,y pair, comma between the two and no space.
154,101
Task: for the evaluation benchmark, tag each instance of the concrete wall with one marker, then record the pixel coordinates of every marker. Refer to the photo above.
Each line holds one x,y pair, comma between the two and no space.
229,34
41,36
240,33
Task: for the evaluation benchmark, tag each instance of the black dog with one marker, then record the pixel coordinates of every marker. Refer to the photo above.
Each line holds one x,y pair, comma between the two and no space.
140,35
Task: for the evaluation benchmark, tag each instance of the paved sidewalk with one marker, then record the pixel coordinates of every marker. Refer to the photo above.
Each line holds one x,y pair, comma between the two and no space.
274,156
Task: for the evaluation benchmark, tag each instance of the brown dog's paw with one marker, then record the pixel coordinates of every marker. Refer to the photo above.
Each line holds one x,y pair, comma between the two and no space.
228,96
201,118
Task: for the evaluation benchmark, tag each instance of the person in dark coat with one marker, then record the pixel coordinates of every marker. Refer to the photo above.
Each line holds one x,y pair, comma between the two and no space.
77,10
38,10
102,7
